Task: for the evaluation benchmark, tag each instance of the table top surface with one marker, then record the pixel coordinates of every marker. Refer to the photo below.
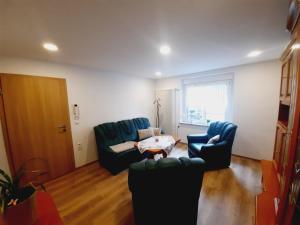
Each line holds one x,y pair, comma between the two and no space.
157,143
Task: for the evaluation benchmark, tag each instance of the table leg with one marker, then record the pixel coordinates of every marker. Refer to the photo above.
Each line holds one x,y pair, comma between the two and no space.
164,154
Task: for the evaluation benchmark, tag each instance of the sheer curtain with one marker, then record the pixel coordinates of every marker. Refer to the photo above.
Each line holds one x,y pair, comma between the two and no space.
206,101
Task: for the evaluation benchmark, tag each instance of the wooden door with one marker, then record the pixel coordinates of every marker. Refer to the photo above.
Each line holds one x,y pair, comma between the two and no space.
292,210
37,121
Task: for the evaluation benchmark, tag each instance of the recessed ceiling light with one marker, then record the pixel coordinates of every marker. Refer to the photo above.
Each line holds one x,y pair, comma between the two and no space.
165,49
158,73
254,53
296,46
50,47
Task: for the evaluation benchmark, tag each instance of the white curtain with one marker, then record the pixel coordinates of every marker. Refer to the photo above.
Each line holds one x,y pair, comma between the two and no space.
206,101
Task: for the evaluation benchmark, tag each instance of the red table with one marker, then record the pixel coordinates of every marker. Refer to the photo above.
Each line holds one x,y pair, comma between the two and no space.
47,213
46,210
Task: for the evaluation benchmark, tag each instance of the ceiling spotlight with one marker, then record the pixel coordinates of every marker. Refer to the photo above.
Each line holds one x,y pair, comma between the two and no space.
295,46
254,53
165,49
158,74
50,47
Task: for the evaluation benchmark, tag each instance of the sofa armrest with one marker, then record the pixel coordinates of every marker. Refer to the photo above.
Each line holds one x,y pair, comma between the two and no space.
109,151
106,153
197,138
214,147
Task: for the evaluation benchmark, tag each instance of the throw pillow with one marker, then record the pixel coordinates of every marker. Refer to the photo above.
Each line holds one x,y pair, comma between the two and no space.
123,146
214,139
156,131
145,133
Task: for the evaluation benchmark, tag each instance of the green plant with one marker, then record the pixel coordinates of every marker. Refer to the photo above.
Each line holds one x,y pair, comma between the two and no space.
11,192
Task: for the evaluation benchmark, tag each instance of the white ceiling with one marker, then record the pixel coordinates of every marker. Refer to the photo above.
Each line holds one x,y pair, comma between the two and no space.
123,36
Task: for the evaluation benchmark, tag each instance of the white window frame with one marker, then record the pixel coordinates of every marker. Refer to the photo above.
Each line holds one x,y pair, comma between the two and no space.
204,80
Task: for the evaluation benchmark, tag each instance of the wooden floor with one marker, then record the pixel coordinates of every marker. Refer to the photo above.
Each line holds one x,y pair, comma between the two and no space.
91,196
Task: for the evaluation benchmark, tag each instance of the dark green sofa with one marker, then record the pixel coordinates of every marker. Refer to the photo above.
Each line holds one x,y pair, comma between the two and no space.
108,134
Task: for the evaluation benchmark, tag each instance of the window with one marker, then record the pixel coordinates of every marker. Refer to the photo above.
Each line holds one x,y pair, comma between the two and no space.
206,100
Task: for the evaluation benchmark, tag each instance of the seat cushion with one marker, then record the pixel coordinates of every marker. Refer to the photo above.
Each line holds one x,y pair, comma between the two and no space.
196,147
123,146
129,156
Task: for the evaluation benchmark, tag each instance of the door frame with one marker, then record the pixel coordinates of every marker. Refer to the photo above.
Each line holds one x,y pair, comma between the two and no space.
5,128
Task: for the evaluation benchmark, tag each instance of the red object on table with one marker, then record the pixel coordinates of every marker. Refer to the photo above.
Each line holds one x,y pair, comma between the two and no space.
47,213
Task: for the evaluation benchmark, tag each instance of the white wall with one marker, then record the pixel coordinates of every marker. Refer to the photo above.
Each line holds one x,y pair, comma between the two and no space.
168,113
102,97
255,103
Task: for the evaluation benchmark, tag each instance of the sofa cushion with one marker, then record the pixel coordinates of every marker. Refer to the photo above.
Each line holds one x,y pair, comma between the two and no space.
216,128
214,139
228,132
109,134
196,147
123,146
141,123
152,174
145,133
128,130
156,131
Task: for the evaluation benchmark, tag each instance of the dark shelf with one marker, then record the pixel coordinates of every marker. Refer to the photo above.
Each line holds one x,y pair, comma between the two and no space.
284,111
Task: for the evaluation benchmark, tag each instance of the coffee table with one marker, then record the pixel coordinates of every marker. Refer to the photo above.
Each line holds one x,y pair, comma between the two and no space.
157,145
46,211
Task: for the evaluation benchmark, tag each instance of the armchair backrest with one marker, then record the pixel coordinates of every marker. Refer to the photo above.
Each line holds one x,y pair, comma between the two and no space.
226,131
169,188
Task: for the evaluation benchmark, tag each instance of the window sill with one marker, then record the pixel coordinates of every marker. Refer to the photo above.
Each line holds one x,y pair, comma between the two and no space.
194,124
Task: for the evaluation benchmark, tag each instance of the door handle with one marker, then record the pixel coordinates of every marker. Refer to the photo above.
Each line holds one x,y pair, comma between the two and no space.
294,192
297,169
62,128
295,185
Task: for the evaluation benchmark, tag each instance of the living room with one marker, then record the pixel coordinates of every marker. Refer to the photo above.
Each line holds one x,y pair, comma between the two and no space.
84,83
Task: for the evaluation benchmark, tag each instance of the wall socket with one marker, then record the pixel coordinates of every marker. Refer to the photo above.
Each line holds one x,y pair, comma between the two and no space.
79,147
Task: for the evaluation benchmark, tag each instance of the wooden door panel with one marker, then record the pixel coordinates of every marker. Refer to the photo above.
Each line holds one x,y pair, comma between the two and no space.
34,109
284,79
